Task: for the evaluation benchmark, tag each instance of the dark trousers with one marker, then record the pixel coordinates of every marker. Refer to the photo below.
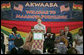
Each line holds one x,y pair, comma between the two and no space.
3,48
48,44
70,45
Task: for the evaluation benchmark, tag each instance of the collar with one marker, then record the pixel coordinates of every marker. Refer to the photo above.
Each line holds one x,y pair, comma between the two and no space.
67,32
14,33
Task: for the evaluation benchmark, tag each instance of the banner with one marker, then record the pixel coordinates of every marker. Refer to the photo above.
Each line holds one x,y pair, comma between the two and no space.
47,10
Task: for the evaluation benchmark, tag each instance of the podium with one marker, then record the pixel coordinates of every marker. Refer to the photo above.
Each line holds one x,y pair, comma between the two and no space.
38,40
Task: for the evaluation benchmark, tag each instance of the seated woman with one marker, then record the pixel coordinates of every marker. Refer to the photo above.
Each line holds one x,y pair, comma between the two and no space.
61,43
12,37
29,41
79,41
62,38
69,37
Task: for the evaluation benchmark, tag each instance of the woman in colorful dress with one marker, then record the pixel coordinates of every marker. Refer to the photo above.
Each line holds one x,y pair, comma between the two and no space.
12,37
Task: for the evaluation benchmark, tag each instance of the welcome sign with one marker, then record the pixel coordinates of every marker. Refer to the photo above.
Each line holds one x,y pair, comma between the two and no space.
47,10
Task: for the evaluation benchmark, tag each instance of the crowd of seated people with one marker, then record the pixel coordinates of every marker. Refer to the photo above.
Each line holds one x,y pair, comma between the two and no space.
61,44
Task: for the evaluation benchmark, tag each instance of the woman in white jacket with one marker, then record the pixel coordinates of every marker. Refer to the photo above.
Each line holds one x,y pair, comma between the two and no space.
79,41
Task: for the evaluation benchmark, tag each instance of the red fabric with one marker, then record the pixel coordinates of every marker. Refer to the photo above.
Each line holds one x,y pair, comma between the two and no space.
25,26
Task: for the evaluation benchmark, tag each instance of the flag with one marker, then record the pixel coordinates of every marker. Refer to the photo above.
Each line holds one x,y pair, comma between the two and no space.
5,6
63,8
77,7
19,8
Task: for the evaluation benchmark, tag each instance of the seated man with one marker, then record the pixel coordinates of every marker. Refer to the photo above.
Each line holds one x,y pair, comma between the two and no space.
69,37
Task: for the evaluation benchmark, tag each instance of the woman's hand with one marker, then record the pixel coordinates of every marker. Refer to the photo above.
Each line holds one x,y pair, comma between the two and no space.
11,39
18,37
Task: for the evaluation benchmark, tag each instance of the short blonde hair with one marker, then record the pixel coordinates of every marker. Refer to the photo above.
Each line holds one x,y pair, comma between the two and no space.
67,27
39,18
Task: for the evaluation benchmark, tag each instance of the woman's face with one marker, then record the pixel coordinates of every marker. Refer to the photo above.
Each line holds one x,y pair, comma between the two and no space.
15,30
39,20
66,29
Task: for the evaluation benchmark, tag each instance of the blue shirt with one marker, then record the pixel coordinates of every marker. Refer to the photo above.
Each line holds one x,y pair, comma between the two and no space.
11,42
